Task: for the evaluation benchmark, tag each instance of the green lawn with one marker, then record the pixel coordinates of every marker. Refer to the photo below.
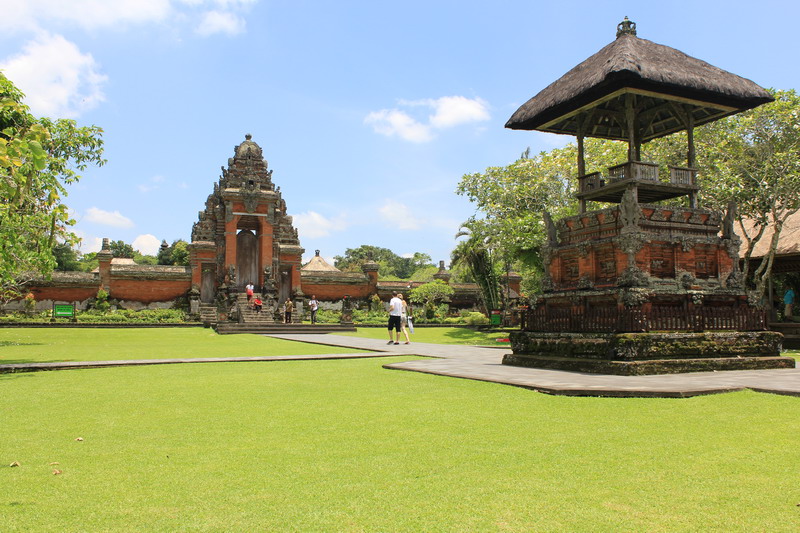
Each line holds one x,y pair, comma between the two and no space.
439,335
349,446
38,345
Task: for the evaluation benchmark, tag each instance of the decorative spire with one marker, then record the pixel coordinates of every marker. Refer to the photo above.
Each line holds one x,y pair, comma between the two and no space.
316,253
626,27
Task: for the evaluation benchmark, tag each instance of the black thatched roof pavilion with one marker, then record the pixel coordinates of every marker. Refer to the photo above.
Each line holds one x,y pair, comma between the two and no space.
636,90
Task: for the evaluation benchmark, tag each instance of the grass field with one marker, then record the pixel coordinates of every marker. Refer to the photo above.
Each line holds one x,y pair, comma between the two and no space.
39,345
349,446
438,335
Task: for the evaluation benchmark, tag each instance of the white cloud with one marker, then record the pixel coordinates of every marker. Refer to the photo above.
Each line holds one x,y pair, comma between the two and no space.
399,216
213,22
455,110
151,185
447,112
57,79
391,122
89,243
146,244
312,225
33,14
107,218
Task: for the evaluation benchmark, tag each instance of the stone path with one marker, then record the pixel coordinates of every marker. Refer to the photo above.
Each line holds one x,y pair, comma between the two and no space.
484,364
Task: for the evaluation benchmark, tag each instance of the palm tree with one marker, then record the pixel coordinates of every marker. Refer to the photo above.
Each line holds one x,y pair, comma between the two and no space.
476,255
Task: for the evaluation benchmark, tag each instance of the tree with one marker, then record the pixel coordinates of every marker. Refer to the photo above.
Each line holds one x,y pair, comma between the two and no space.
39,157
390,265
67,258
121,249
176,254
476,255
431,294
753,159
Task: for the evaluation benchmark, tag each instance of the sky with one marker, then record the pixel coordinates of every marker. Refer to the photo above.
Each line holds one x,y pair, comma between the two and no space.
368,112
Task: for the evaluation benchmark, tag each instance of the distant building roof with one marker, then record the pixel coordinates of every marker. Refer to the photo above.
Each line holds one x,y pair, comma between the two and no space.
318,264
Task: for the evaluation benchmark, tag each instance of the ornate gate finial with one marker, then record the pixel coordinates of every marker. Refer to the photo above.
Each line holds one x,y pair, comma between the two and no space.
626,27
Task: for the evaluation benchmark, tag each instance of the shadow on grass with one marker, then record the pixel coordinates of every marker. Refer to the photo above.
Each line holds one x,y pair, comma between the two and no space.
30,361
15,343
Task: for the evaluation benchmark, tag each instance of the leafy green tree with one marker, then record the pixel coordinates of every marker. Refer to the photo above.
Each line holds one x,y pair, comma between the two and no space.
390,265
88,262
67,258
121,249
39,157
431,294
176,254
476,255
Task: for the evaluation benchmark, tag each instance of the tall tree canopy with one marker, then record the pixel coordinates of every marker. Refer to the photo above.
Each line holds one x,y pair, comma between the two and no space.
39,157
389,263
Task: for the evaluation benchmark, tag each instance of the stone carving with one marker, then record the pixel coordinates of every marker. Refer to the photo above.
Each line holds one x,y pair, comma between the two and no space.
685,279
550,228
734,280
629,210
728,221
633,277
633,298
585,283
230,278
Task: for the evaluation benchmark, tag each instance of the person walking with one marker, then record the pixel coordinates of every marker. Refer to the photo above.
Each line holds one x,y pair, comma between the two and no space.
313,305
249,290
288,307
404,317
395,311
788,302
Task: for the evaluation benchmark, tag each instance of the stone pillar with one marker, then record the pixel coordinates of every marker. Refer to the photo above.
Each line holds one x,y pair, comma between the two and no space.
104,257
265,240
230,241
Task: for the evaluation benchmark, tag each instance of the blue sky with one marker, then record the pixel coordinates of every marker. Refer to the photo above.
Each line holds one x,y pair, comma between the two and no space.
368,112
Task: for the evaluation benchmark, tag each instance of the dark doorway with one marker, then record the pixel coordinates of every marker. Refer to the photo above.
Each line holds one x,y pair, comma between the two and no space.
285,288
207,283
246,258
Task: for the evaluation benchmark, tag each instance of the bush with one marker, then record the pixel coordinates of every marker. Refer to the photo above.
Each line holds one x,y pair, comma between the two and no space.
473,318
325,316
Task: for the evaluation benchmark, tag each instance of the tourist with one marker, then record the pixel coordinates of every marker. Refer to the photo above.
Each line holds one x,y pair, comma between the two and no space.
313,304
249,289
788,302
288,307
404,317
257,303
395,311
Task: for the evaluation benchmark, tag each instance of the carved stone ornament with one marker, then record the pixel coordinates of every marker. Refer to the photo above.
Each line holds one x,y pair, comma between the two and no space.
659,215
686,244
685,279
585,283
547,283
633,277
634,298
584,248
728,221
630,213
734,280
697,298
228,211
231,274
630,243
250,196
550,228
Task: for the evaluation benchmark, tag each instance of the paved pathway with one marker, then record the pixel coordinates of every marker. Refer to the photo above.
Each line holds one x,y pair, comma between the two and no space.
484,364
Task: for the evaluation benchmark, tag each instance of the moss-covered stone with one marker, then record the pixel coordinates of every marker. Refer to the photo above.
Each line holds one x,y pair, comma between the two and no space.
648,353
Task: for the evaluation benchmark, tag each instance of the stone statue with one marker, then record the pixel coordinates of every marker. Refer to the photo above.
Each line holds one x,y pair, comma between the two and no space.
629,210
550,228
728,221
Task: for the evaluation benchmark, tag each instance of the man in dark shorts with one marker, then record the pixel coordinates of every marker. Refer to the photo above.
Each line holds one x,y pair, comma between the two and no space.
395,310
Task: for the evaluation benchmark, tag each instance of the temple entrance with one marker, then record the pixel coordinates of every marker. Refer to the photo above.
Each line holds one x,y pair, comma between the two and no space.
207,283
285,288
246,258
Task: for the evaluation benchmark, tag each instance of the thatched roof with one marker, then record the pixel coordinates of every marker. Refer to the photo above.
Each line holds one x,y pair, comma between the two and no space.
318,264
659,76
788,241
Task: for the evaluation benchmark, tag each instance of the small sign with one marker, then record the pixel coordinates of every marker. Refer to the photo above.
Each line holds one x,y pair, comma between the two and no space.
63,311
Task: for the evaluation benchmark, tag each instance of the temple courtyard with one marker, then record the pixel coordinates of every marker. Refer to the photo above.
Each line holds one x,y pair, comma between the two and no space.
342,443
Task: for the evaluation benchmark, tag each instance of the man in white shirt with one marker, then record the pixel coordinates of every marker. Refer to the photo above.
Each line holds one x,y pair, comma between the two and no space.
395,310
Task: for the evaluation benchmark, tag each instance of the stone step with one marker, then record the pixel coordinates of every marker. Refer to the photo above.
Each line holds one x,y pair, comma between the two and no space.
226,328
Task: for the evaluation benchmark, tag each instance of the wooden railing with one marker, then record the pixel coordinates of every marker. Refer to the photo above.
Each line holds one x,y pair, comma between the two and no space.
682,175
657,318
634,169
590,182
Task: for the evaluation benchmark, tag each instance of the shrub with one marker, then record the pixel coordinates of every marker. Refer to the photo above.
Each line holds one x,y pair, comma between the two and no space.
473,318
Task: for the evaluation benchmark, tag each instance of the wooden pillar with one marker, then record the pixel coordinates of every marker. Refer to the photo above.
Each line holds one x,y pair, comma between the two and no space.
690,154
581,160
630,119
